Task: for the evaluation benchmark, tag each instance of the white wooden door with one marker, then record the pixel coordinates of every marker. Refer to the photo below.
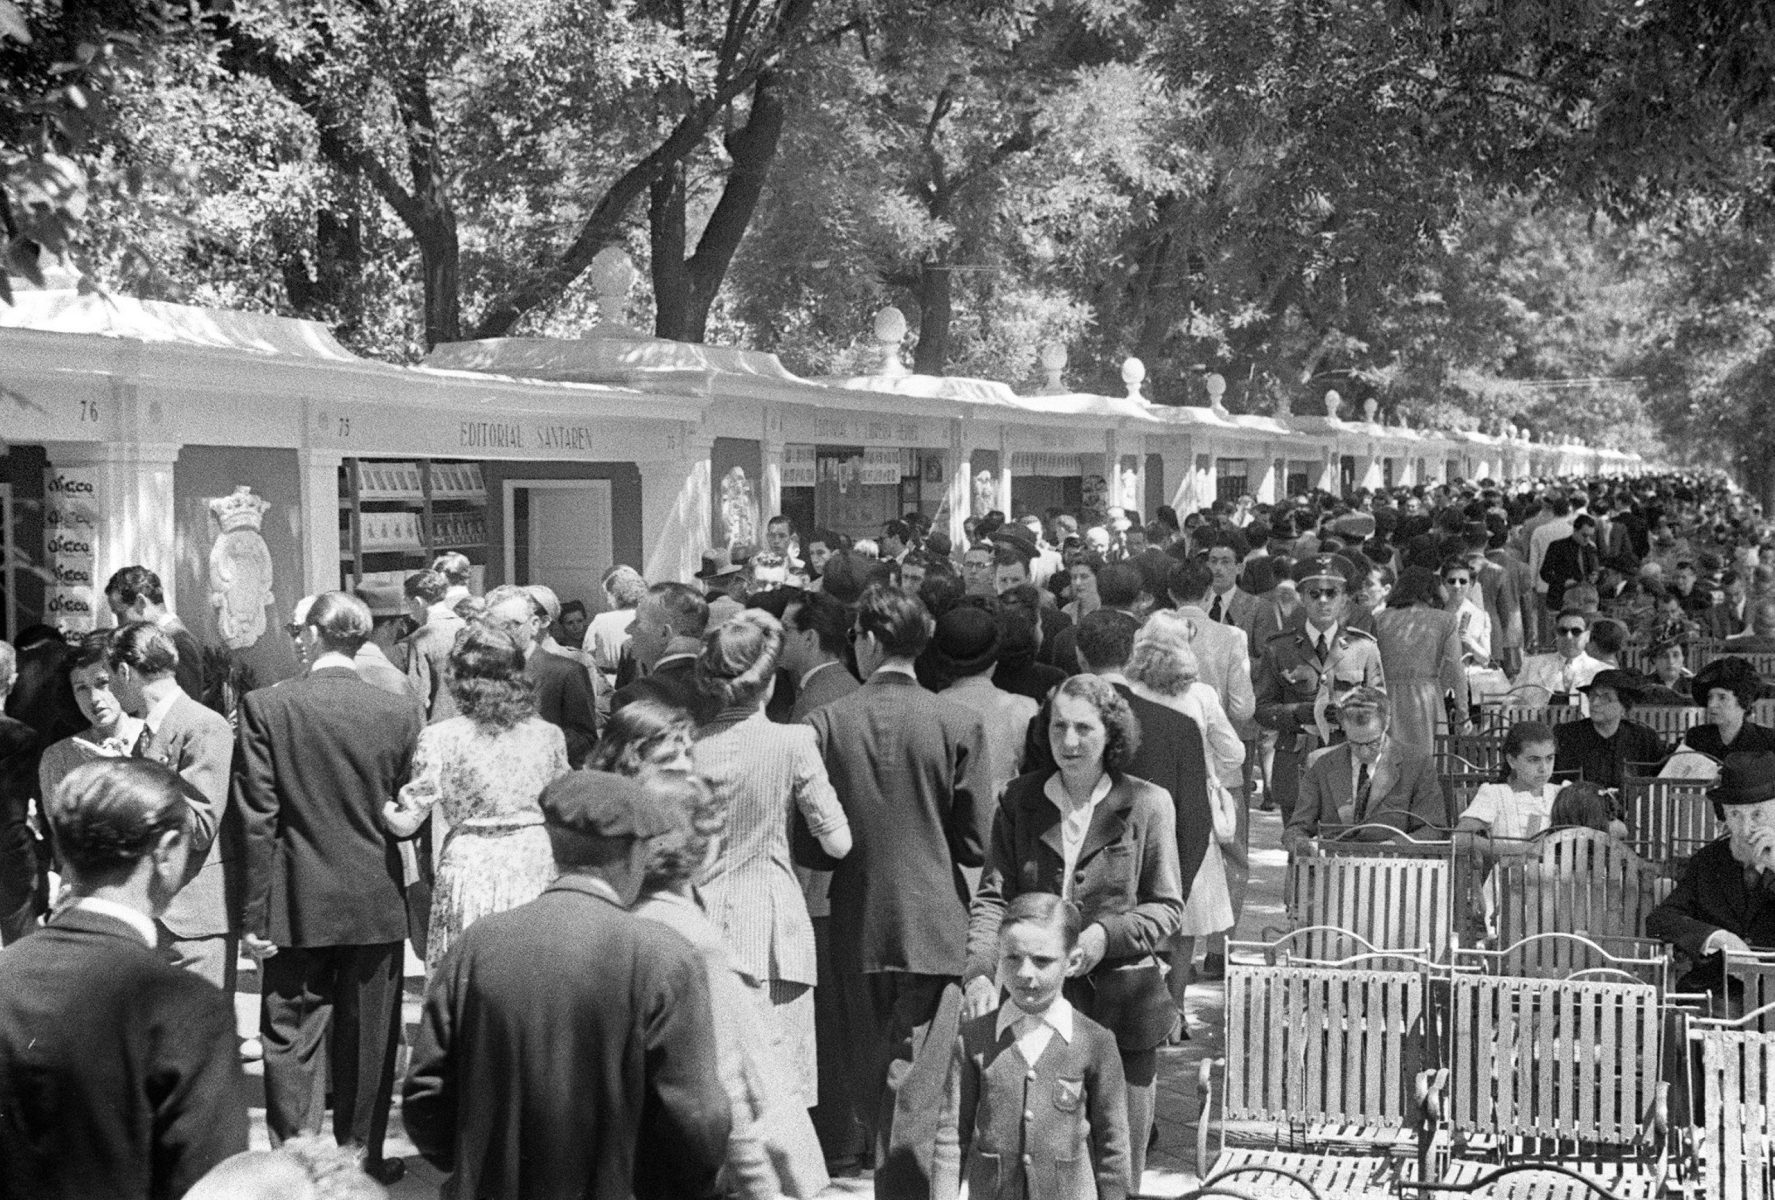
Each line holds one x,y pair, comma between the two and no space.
568,539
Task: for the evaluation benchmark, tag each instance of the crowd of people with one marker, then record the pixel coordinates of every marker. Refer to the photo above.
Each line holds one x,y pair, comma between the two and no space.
881,855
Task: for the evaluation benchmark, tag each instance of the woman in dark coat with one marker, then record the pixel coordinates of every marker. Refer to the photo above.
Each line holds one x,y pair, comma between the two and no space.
1106,841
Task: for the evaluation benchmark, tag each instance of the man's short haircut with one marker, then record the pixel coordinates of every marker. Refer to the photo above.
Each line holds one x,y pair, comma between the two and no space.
342,620
1189,580
1007,555
682,607
453,566
145,648
572,606
135,583
506,592
775,600
826,618
107,814
845,576
828,539
1118,584
1586,521
898,622
1608,636
1569,612
1045,910
624,585
782,520
1105,639
1232,539
427,586
896,528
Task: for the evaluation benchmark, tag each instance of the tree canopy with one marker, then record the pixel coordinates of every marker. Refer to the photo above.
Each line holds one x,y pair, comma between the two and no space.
1551,212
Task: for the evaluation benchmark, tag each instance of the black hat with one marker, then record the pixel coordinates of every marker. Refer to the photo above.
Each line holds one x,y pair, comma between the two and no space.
718,564
1733,675
1016,539
1629,685
600,804
966,641
1746,778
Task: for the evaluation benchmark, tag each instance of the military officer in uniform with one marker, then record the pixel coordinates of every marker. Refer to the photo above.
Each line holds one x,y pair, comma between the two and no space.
1311,664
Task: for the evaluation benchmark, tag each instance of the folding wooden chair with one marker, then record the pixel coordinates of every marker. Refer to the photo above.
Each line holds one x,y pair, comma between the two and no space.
1459,788
1323,1077
1575,881
1734,1060
1668,820
1469,753
1668,721
1393,895
1750,985
1546,714
1564,1072
1572,956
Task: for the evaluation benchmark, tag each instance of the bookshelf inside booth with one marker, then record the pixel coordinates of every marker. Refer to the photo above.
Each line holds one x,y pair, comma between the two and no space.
397,515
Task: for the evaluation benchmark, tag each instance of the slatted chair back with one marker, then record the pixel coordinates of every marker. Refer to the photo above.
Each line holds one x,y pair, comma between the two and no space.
1701,651
1395,896
1574,881
1668,820
1546,714
1750,980
1298,948
1459,788
1669,721
1763,712
1469,752
1572,956
1340,1045
1736,1068
1574,1063
1762,664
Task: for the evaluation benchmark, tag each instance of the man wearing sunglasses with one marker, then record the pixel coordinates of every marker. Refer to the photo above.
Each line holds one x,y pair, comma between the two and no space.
1286,679
1568,669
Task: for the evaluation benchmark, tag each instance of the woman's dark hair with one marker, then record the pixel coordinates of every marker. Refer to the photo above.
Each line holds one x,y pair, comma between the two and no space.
1122,730
94,648
107,814
1584,805
1417,585
739,658
675,858
1047,910
1522,735
486,677
637,735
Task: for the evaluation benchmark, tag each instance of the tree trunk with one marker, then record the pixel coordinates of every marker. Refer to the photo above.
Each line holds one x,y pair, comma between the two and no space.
935,311
686,291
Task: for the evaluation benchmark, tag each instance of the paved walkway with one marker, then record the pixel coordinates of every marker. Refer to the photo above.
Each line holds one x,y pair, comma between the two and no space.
1170,1167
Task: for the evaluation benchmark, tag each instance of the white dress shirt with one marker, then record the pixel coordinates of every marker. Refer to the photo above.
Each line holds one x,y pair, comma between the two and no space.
1035,1029
1075,822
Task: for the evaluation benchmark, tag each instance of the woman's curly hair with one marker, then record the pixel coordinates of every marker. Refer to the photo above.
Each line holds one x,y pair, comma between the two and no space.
1163,658
676,858
1122,730
739,658
486,677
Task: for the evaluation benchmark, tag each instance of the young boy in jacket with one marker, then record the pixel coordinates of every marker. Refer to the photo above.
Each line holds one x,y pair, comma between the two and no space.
1036,1107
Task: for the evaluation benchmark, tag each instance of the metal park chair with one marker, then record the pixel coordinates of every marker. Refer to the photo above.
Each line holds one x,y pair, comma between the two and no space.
1668,820
1575,881
1546,714
1323,1078
1668,721
1734,1061
1470,752
1561,1072
1572,956
1393,895
1750,984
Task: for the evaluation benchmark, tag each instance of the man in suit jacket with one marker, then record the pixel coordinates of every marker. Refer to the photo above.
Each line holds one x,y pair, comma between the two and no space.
119,1073
1287,677
816,633
1570,561
1366,779
1224,601
1503,602
21,884
319,756
566,1050
135,594
563,691
907,767
1732,615
1726,897
427,648
198,744
664,640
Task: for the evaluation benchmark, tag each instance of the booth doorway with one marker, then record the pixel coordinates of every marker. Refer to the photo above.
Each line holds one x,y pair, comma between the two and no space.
558,532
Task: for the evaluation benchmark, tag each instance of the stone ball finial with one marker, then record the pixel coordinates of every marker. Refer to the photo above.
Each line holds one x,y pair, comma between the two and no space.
890,330
1333,403
1214,383
1053,360
1371,407
612,275
1133,375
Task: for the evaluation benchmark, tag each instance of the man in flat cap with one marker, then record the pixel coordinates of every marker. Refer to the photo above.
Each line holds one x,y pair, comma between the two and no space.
1726,898
566,1048
1296,661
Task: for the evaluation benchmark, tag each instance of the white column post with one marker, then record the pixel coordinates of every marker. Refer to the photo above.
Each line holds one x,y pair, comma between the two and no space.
317,476
134,501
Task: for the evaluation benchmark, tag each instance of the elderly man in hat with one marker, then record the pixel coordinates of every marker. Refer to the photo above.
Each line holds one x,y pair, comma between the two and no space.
1608,747
566,1048
1367,779
964,653
1297,661
1726,898
724,573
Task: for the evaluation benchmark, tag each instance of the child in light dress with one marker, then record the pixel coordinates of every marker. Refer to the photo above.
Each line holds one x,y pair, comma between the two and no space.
1522,805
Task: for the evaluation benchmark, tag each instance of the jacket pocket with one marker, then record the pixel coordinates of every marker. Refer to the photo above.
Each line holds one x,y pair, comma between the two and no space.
1069,1094
983,1175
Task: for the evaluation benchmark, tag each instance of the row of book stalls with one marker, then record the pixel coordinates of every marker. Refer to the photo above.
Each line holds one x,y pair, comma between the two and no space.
252,459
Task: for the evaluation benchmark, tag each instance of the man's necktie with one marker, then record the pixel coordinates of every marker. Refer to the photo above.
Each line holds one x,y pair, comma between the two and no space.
1364,784
1214,609
1321,646
144,746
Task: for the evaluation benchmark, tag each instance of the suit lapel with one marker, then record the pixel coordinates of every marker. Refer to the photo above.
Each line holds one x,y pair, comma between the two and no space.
1343,797
1386,774
1108,820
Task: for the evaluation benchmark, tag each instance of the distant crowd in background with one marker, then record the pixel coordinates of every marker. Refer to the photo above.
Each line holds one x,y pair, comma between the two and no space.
734,885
